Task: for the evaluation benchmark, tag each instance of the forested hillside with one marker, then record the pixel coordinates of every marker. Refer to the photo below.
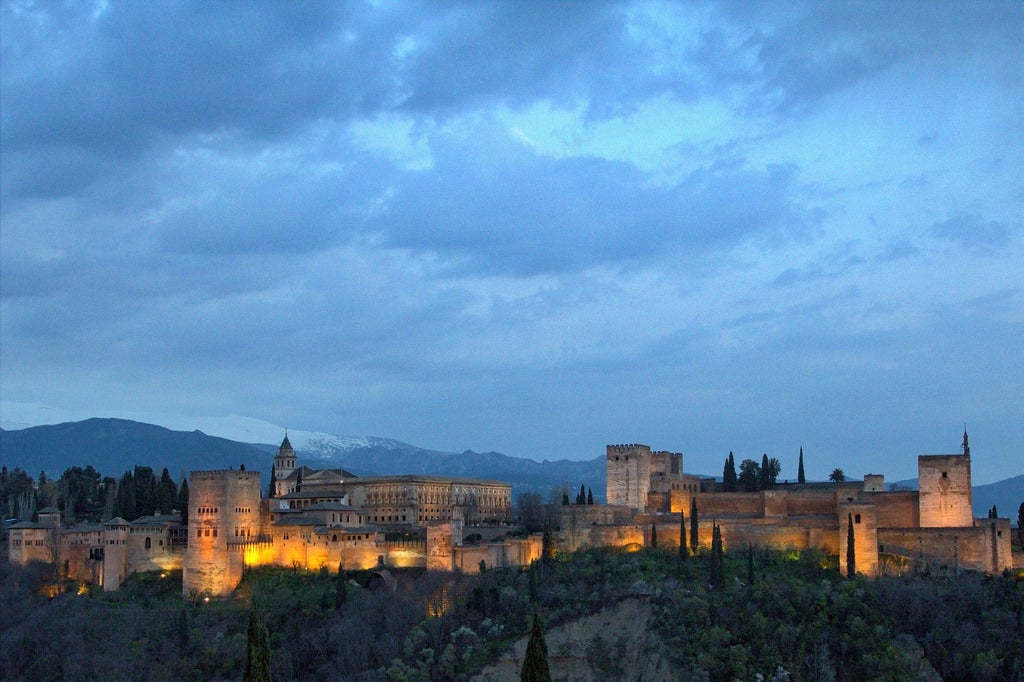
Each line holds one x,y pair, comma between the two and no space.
775,615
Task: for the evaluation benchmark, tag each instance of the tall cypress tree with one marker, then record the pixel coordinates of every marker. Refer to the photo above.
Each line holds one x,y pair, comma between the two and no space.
851,554
729,478
800,471
340,588
257,657
590,496
764,481
694,539
717,564
535,662
272,487
682,537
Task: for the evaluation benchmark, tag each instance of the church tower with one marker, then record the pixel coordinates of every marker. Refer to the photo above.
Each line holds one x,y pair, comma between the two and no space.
284,467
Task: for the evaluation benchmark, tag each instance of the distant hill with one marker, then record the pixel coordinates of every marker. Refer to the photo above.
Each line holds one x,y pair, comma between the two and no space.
115,445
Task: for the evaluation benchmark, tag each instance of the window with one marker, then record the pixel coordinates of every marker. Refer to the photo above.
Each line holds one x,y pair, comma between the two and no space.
945,474
149,543
856,518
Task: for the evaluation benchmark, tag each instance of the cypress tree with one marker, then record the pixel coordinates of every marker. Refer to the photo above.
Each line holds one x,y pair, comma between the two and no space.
590,496
654,535
340,588
547,543
851,555
750,564
257,657
581,497
764,481
183,500
729,478
682,537
126,497
271,487
800,471
693,525
717,558
535,663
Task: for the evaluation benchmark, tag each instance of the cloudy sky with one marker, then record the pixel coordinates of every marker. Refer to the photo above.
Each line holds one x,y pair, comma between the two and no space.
529,227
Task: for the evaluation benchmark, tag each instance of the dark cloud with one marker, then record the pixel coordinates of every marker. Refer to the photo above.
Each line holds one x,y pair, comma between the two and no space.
973,232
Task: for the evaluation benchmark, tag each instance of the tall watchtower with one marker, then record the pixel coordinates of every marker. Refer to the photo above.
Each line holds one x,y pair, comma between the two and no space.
945,489
284,466
628,470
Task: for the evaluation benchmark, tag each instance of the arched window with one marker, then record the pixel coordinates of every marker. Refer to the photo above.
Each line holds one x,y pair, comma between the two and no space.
149,543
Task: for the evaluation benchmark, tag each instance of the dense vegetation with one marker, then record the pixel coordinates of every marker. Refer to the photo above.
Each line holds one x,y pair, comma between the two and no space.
797,619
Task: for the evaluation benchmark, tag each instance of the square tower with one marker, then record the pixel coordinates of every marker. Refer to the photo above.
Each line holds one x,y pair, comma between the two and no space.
945,491
628,470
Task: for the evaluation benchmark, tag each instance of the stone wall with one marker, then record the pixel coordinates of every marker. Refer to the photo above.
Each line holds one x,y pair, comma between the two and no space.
896,509
865,536
985,547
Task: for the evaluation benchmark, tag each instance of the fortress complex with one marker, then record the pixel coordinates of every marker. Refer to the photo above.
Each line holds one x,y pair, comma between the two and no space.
934,524
331,518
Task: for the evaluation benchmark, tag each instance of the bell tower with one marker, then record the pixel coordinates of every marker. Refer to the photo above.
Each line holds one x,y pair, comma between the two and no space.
284,467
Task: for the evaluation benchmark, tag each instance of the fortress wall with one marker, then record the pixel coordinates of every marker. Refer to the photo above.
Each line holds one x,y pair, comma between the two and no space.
600,536
945,485
810,502
158,557
896,509
985,547
729,504
81,567
512,552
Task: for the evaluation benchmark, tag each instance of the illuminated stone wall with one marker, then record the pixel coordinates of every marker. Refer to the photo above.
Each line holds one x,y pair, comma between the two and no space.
628,470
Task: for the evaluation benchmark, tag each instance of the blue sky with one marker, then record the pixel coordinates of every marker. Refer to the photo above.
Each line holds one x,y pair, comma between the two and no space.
529,227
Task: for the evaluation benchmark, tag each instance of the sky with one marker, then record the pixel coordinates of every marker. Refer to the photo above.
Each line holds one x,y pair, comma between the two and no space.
530,227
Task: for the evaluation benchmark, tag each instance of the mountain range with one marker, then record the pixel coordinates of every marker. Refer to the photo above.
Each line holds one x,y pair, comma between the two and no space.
114,445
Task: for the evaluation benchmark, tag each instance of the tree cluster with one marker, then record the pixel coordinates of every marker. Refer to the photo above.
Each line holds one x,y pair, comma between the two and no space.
83,494
752,476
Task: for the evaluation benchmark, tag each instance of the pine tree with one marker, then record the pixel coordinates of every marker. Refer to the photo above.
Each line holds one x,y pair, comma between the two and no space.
717,564
535,662
257,657
693,525
654,535
340,588
729,480
851,554
800,478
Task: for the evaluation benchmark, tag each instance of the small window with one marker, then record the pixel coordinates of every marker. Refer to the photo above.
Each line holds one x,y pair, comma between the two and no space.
149,543
856,518
945,474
